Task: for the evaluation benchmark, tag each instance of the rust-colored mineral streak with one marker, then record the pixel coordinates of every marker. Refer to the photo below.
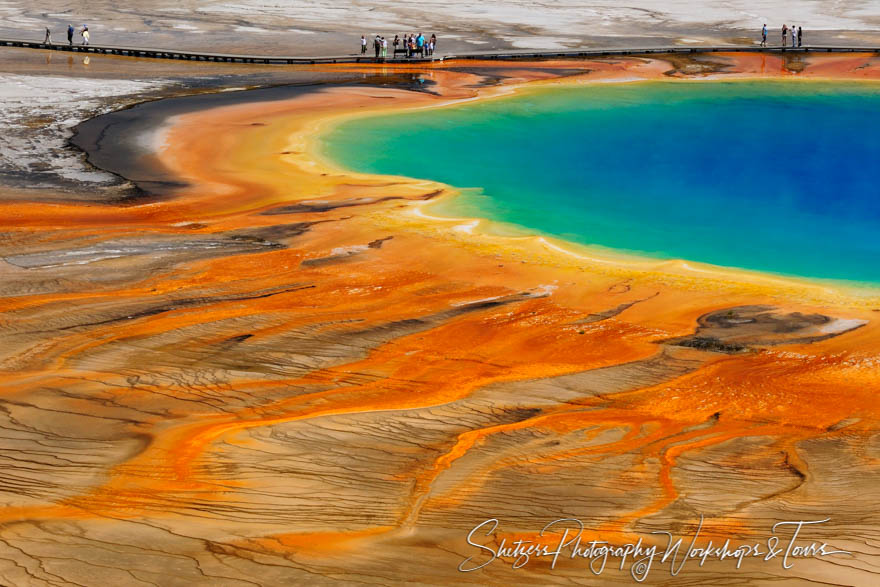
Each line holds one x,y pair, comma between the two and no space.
285,373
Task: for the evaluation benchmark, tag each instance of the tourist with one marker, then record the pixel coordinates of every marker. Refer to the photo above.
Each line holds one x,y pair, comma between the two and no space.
85,35
420,44
764,36
377,46
431,48
395,43
784,35
800,36
48,38
363,44
793,36
70,34
433,42
384,48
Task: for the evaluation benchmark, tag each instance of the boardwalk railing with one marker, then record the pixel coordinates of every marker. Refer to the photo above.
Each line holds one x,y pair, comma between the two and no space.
359,58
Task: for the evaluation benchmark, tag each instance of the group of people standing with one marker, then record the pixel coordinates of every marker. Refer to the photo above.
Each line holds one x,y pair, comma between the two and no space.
411,44
84,32
796,33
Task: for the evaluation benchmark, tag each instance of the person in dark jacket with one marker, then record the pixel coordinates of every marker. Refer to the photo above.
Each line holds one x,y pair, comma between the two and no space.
70,34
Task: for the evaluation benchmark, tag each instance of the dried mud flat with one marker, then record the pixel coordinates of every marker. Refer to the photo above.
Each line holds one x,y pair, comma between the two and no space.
278,372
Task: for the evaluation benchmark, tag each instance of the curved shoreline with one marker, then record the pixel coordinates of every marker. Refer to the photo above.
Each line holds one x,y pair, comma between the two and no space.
864,293
115,141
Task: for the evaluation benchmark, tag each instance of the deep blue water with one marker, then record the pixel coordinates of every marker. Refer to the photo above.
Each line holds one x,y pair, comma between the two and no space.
774,176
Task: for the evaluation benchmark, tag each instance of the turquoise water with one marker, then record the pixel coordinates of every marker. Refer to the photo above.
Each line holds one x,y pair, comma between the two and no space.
782,177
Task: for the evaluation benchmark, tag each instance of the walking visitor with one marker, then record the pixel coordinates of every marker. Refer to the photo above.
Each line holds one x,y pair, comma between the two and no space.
764,36
48,38
70,34
409,44
793,36
800,36
784,35
85,35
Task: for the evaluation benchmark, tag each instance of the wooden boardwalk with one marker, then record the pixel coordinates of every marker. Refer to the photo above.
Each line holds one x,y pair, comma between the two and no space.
358,58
